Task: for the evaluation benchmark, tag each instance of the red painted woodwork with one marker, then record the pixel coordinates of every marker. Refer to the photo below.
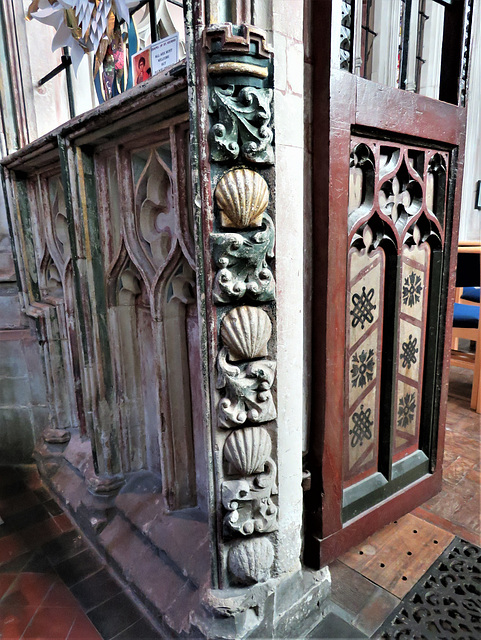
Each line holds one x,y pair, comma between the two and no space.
348,109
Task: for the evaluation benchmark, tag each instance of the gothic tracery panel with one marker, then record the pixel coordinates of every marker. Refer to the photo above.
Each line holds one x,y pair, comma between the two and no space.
397,201
152,312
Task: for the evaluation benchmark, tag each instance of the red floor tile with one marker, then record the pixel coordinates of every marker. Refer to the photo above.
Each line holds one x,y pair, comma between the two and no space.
39,533
13,621
6,580
29,589
51,623
63,522
11,547
16,503
83,629
60,596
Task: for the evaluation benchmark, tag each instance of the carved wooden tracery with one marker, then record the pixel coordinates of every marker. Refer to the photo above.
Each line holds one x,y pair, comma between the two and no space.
397,201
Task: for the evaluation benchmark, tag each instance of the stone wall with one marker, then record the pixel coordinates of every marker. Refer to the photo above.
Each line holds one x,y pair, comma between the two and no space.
23,410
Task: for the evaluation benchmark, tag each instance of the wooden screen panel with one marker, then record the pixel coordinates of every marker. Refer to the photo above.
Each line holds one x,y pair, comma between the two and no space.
413,299
397,199
363,358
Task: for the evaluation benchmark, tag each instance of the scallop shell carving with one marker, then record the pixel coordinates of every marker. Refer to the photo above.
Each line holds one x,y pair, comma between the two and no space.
250,560
248,449
246,332
242,196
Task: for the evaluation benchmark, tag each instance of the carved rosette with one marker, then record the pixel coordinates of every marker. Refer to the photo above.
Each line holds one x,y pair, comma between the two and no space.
240,108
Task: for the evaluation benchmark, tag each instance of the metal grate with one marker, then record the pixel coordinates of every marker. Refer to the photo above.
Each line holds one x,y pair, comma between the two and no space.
446,603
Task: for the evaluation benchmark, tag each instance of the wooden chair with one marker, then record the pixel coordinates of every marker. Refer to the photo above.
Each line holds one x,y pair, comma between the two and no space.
466,317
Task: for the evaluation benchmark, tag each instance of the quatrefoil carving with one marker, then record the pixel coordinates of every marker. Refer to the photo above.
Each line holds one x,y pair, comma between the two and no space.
400,197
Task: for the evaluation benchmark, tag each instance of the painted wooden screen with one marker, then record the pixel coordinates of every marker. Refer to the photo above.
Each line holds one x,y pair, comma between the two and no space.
397,202
387,169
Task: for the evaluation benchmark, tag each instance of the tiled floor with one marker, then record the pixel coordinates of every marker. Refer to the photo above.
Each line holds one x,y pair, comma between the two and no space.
360,602
52,585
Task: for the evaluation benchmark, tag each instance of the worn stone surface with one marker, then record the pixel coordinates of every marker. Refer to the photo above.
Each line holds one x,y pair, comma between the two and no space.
22,390
306,613
156,579
7,270
11,316
17,434
182,536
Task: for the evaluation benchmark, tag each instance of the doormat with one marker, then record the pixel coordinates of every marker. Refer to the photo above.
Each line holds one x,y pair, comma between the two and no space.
446,602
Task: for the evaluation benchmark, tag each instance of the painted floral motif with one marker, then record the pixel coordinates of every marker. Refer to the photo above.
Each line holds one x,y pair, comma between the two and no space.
406,410
412,289
362,426
362,370
362,308
408,356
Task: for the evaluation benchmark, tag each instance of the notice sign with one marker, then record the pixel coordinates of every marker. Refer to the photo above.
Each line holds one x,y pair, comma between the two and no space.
164,52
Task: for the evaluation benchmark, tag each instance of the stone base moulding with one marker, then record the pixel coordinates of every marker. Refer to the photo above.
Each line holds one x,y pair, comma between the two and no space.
56,436
287,607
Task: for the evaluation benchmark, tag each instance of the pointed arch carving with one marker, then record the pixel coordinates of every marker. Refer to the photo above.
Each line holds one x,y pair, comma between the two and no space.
155,212
58,217
51,281
137,385
397,205
152,311
177,320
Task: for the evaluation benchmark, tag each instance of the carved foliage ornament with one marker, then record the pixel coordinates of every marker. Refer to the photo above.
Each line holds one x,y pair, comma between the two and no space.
247,391
249,505
248,500
247,386
242,262
242,124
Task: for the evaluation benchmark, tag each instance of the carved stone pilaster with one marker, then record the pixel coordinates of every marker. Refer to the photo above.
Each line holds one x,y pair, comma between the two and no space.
241,137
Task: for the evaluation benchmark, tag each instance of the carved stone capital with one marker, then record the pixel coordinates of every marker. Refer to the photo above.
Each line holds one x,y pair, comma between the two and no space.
228,38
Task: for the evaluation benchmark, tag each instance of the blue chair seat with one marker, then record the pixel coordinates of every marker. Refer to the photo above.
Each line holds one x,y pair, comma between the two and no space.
465,316
471,294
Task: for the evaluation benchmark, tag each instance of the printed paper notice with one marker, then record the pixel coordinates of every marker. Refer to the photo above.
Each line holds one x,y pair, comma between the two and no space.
164,53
